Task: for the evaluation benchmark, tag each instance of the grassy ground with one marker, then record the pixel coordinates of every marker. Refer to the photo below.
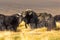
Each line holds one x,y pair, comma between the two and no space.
28,34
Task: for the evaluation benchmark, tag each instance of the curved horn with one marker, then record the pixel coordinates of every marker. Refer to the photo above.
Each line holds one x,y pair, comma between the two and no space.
19,14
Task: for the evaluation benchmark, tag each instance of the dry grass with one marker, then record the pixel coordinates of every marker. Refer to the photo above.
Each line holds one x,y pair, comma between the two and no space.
29,34
58,24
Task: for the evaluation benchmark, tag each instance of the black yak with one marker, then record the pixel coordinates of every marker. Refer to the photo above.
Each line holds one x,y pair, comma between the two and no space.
30,18
12,22
57,18
46,20
2,25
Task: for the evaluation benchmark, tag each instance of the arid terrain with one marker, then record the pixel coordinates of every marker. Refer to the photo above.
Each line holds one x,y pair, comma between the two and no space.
28,34
9,7
53,11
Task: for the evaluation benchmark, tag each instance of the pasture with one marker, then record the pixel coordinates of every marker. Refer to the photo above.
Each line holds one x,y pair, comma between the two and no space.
29,34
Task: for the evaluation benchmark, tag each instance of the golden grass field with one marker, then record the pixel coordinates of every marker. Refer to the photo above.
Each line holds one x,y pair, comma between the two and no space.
29,34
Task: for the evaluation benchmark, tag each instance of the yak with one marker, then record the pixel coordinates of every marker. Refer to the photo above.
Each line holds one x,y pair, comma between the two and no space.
2,25
57,18
46,20
30,18
12,22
